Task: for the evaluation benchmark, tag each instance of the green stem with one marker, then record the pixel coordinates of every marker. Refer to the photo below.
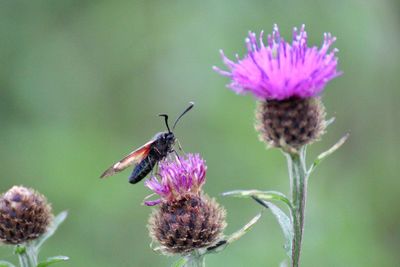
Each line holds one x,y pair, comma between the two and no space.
27,255
298,183
195,260
23,260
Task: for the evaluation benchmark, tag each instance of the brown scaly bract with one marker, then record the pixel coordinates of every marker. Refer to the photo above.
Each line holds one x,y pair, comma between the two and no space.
186,224
24,215
292,123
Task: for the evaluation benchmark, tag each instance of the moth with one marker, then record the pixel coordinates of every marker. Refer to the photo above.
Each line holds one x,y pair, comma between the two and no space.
146,157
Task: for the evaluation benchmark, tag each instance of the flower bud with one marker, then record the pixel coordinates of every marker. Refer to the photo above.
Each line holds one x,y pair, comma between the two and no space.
187,224
24,215
292,123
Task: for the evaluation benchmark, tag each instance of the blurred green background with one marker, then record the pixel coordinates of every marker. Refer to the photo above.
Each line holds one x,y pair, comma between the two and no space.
81,83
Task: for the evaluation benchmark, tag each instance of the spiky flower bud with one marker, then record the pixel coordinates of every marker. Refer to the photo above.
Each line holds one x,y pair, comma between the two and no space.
292,123
186,219
24,215
186,224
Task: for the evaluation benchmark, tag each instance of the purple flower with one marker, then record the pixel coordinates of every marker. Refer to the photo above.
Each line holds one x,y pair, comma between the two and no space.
281,70
177,178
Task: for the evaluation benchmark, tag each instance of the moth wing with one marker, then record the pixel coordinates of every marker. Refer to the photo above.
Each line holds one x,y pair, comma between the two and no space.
133,158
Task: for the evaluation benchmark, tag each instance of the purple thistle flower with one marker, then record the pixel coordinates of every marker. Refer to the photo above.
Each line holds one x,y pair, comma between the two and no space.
177,178
186,219
280,70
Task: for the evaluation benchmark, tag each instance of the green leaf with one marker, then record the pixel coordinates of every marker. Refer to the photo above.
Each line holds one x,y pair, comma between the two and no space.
57,221
284,222
221,245
6,264
53,260
179,263
264,195
238,234
327,153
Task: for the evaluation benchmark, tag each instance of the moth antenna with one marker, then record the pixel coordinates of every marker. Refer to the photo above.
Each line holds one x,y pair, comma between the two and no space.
166,120
191,104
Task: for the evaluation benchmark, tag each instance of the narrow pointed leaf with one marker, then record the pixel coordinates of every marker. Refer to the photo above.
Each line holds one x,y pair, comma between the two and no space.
284,222
233,237
155,248
57,221
179,263
327,153
238,234
264,195
330,121
53,260
6,264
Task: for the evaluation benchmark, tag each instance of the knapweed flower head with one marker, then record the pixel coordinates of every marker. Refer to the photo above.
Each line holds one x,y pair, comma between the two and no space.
24,215
186,219
178,178
289,124
279,70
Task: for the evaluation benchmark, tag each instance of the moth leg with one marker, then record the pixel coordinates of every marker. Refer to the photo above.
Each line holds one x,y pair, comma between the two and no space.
177,156
158,151
154,170
176,153
153,166
156,167
179,146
